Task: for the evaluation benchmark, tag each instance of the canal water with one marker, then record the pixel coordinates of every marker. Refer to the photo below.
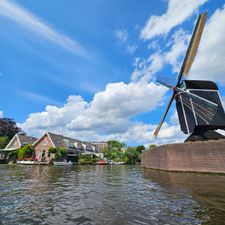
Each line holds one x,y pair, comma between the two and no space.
117,195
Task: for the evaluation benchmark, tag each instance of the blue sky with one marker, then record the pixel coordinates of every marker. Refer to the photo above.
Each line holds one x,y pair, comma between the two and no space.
86,69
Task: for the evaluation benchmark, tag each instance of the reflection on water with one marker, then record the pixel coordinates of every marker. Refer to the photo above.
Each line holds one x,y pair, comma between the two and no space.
208,190
108,195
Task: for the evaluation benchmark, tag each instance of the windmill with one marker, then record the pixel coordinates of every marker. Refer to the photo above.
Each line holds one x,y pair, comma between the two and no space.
198,102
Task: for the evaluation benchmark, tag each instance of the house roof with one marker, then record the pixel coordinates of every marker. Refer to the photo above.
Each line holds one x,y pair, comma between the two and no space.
60,141
22,140
26,139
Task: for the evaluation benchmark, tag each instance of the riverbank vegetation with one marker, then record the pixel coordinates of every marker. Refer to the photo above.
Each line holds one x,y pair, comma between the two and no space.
119,152
60,154
25,152
115,152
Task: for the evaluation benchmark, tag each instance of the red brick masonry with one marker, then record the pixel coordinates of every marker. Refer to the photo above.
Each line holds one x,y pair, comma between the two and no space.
206,156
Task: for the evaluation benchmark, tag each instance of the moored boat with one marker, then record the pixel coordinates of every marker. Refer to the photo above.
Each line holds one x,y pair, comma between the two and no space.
29,162
118,163
55,163
102,162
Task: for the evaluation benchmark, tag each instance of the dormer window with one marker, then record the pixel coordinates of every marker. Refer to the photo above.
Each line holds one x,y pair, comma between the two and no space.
69,144
24,143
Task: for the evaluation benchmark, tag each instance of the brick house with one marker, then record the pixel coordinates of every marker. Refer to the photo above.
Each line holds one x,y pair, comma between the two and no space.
74,146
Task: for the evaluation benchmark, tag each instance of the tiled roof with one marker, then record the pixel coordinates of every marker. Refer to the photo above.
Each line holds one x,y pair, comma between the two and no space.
26,139
61,141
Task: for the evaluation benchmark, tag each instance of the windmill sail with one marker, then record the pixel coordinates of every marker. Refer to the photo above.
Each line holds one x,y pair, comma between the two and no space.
164,116
192,47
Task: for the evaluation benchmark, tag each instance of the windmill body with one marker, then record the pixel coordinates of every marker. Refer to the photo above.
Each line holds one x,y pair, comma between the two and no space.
200,112
198,102
196,117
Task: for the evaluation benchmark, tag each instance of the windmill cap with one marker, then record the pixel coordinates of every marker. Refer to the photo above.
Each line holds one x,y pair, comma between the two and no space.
200,84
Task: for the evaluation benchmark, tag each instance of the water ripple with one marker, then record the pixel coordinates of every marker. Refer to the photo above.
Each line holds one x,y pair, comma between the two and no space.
107,195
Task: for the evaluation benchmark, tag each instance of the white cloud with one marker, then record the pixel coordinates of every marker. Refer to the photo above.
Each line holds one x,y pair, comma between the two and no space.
54,116
107,116
146,68
1,114
26,19
144,133
177,12
209,62
179,45
121,35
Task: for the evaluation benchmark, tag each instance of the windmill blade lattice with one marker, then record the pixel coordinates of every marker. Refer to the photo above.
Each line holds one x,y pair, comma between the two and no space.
204,111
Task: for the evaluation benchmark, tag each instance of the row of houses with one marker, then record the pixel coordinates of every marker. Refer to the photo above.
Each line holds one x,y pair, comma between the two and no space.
51,140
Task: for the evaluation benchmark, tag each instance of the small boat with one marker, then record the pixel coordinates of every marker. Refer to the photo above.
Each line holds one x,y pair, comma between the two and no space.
118,163
111,162
64,163
29,162
102,162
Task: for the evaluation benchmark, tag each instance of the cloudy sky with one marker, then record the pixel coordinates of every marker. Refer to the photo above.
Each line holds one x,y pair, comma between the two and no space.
86,69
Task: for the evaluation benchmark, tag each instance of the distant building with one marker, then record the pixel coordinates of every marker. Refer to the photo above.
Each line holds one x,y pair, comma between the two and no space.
74,146
101,144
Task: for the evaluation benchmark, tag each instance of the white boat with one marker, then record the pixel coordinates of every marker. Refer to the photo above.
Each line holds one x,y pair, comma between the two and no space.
118,163
55,163
24,162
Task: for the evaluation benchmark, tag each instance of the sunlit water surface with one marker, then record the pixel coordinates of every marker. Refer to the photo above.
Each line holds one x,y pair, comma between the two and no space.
117,195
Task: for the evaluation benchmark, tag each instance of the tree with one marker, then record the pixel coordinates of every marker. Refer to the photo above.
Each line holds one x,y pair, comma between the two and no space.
61,154
9,128
115,144
133,156
140,148
3,141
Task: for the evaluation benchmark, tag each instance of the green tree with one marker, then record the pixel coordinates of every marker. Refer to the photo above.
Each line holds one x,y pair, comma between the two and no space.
114,144
133,155
61,154
140,148
3,141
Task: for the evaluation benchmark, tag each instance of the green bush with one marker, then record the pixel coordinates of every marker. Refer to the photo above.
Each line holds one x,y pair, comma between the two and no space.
25,152
52,150
87,159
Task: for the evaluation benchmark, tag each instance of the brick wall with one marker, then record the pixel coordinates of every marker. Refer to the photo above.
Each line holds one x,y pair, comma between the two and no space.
43,144
208,156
